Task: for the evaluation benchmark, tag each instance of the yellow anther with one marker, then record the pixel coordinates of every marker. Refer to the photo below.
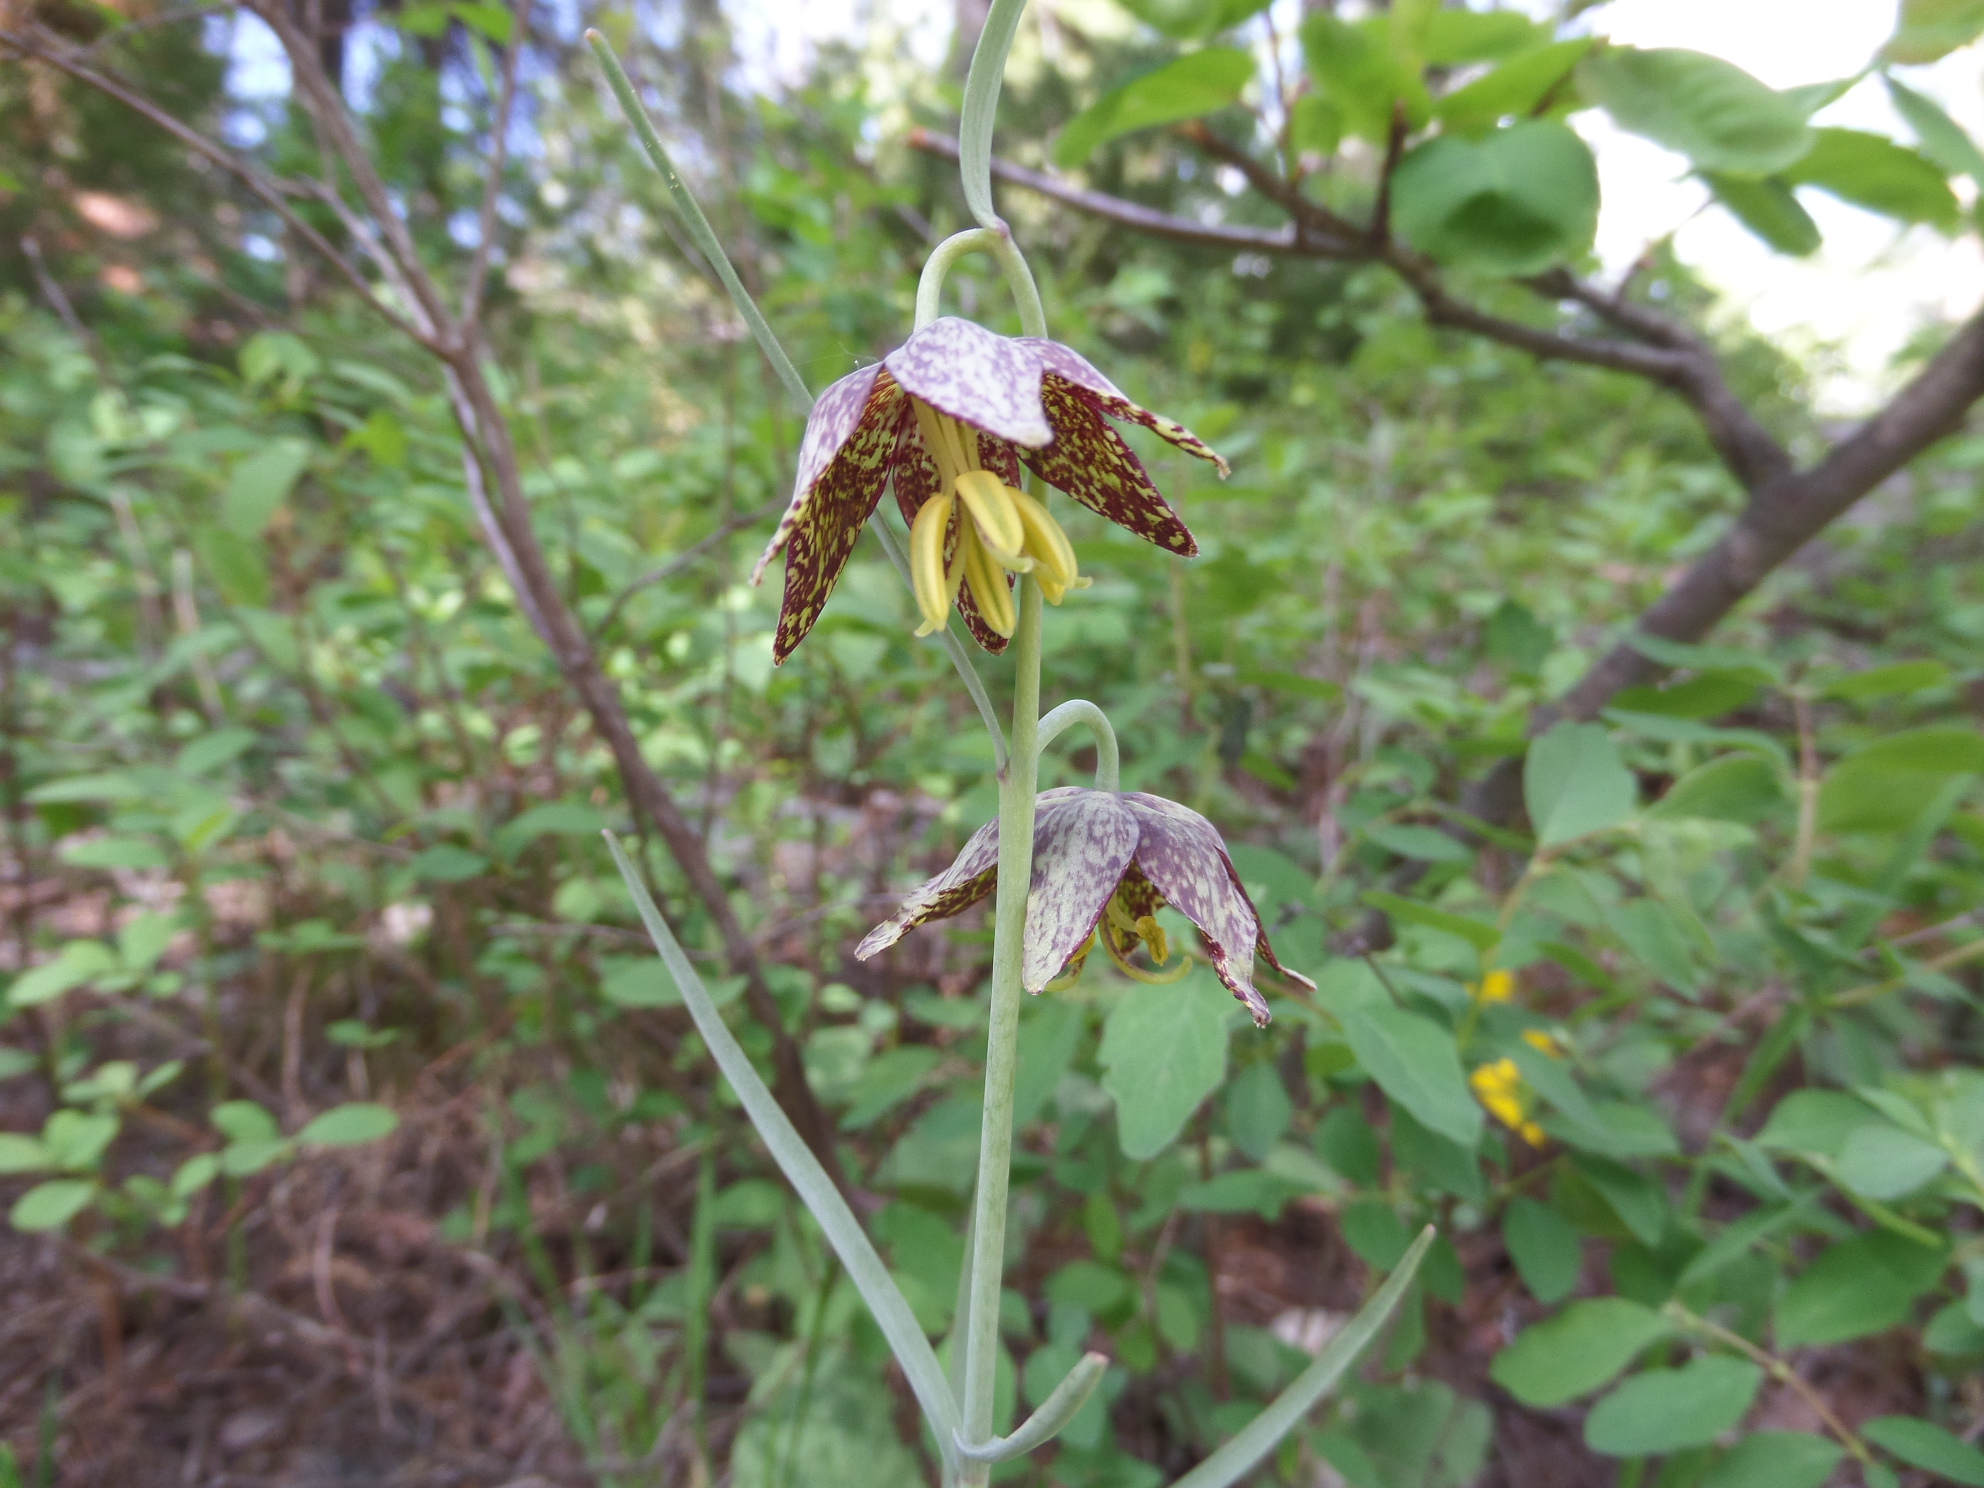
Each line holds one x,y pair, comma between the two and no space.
990,502
987,581
1046,541
1138,974
1071,971
935,589
1153,936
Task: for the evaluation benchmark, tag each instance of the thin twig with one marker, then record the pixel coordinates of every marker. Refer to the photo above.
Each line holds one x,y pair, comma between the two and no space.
270,192
499,154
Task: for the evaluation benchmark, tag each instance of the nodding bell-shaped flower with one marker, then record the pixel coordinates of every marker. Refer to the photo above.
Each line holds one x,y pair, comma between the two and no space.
1103,865
952,414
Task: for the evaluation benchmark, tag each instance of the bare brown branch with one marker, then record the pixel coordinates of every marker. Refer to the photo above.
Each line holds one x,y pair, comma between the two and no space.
494,478
273,194
499,156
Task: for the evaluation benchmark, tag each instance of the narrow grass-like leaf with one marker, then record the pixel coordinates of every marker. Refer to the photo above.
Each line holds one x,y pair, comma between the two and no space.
1261,1435
843,1231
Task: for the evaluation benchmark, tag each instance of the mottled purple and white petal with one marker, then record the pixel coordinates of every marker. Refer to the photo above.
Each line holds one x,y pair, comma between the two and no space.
1182,855
841,410
979,377
1266,953
825,520
969,879
1064,364
1089,460
1083,840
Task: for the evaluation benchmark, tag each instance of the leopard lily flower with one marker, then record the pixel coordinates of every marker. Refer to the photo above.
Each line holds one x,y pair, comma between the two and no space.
952,414
1103,865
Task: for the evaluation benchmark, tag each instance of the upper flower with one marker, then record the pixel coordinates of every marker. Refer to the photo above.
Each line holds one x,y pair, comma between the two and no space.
1103,865
952,414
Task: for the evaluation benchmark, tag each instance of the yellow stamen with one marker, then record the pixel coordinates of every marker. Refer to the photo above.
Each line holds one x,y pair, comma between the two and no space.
935,589
990,502
1154,937
1137,974
987,581
1071,972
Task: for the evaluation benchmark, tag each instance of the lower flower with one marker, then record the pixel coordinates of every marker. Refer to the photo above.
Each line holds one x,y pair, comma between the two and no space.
1103,865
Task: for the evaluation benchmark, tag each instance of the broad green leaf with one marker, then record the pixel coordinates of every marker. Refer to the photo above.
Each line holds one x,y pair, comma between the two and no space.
1243,1191
211,751
1767,207
1454,35
195,1174
76,1140
1258,1110
1425,844
1201,83
1189,20
1574,784
1163,1052
1775,1459
1514,201
553,818
1872,171
234,562
1639,1201
1315,127
1051,1033
1477,933
1938,750
447,863
1885,1162
1735,788
1940,137
1514,89
116,852
1372,1228
1414,1061
260,484
1928,29
1817,1121
1928,1446
50,1205
1895,680
1651,931
1709,110
144,938
348,1125
1357,68
1952,1331
1546,1248
1579,1350
1665,1410
1708,695
79,961
1887,786
1860,1286
22,1154
243,1121
492,20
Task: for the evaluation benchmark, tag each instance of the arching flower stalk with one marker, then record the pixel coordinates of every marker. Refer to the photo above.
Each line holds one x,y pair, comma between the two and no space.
1103,865
953,414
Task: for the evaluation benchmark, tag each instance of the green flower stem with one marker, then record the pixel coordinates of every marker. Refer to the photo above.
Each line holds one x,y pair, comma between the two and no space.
1261,1435
1055,1412
1108,766
981,105
997,242
711,248
803,1171
995,1143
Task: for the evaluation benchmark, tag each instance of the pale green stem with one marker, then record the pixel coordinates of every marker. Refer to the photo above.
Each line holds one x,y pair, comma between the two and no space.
997,242
711,248
1108,765
981,102
1055,1412
995,1143
803,1171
